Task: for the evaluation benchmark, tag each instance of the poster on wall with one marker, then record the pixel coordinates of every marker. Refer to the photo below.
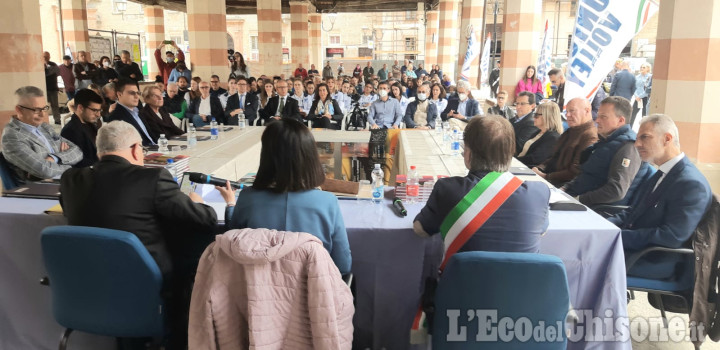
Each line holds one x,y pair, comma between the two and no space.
100,46
334,52
127,43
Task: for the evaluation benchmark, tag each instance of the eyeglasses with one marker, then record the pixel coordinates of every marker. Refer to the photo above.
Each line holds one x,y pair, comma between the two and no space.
537,115
523,103
95,110
242,83
36,110
131,93
214,81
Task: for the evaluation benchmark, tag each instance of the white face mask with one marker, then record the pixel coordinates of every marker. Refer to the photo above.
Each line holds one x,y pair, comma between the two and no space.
106,64
170,60
462,97
383,93
421,96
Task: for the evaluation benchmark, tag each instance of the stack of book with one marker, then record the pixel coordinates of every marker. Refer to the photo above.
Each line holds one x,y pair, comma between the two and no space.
176,165
427,183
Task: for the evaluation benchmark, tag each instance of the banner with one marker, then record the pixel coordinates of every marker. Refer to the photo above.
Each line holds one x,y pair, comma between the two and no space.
602,29
485,62
544,63
473,50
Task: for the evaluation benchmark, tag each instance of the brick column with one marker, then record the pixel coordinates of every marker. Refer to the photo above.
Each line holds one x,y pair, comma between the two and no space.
316,54
448,39
472,15
21,40
686,80
521,27
269,19
207,27
431,39
75,27
299,42
155,32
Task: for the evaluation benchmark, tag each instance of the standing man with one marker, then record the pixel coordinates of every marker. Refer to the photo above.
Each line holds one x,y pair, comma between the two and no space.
494,80
128,69
327,71
82,128
383,73
396,71
341,70
128,97
312,70
68,77
281,105
51,74
623,84
368,72
300,72
557,78
385,112
643,86
84,71
169,64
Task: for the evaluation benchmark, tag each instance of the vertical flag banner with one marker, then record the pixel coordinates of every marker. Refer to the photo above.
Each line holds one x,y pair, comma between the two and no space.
485,61
69,52
473,50
544,64
602,29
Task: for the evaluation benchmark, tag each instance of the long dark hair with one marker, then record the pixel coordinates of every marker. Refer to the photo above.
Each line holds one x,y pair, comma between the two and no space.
242,65
289,159
534,76
399,86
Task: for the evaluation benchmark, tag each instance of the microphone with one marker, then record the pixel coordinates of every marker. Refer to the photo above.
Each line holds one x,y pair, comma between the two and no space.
399,207
207,179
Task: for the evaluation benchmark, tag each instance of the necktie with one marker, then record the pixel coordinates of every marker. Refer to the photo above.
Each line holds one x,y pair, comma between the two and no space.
242,100
654,180
282,105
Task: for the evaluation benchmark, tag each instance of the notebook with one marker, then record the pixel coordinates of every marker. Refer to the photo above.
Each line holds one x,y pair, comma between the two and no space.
38,190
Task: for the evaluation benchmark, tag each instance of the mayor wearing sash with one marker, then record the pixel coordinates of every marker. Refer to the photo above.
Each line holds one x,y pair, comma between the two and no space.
489,209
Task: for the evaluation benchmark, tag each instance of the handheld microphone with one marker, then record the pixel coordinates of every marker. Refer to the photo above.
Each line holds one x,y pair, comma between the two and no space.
207,179
399,207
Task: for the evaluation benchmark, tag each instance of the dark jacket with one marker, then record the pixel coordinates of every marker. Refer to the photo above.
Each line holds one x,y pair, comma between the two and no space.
318,121
105,76
147,202
51,74
89,69
541,149
612,172
524,130
68,77
216,109
217,93
291,109
174,104
706,245
83,135
159,125
125,70
249,108
564,164
623,85
410,114
121,113
471,108
505,112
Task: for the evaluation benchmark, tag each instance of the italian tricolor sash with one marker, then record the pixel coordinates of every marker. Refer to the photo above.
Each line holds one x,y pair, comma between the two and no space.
468,216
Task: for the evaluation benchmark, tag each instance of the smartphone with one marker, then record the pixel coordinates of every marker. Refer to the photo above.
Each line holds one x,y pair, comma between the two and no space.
167,42
187,186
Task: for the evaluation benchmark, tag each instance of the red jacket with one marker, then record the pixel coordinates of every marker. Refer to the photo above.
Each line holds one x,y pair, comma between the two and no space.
166,68
300,72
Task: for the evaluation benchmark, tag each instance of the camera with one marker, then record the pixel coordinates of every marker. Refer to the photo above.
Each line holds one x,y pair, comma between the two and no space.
358,117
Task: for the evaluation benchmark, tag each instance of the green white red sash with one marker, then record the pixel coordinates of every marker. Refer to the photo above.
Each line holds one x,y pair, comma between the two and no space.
469,215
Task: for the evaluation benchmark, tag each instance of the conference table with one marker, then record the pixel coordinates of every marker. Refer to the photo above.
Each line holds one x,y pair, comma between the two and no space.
390,262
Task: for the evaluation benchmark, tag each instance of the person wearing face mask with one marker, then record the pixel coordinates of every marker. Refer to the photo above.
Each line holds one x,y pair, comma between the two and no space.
168,64
385,112
461,107
421,114
106,74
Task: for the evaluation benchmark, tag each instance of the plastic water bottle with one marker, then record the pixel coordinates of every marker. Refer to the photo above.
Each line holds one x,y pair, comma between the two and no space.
412,188
378,184
192,137
455,145
241,121
446,131
438,129
214,130
163,144
171,168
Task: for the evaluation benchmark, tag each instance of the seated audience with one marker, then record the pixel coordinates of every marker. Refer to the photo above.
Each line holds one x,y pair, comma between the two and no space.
31,146
613,169
335,88
437,97
368,96
157,119
231,90
206,107
83,125
215,88
667,207
281,105
396,92
385,112
518,223
501,108
540,147
128,97
524,122
325,112
243,102
564,164
175,104
119,193
304,102
421,113
267,92
461,107
284,195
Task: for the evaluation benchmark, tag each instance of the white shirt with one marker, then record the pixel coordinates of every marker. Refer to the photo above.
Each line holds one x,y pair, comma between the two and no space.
367,99
667,166
204,107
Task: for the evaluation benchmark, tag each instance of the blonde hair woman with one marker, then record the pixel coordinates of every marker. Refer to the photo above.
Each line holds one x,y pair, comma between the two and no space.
540,147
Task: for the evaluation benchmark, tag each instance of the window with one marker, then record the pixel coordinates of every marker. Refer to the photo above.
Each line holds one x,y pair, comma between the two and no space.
410,44
254,42
410,57
409,15
334,39
366,38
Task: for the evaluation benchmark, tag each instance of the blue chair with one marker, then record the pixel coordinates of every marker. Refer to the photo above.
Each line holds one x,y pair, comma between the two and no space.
103,282
516,285
7,175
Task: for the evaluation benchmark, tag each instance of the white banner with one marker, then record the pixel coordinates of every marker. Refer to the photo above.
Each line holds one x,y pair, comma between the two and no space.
485,62
473,50
602,29
544,63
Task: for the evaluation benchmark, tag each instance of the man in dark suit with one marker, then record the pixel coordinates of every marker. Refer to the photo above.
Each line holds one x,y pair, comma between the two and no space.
206,107
128,97
624,82
82,127
119,193
668,206
242,102
126,68
524,122
281,106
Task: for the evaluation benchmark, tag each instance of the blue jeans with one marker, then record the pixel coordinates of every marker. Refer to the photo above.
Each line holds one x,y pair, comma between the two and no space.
198,121
70,95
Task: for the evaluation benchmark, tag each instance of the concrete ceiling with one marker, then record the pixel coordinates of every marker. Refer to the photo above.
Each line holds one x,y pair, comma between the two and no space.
247,7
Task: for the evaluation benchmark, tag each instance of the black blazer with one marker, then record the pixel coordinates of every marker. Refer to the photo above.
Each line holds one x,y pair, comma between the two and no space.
249,109
157,126
216,109
291,109
121,113
540,150
524,130
83,135
124,71
147,202
337,116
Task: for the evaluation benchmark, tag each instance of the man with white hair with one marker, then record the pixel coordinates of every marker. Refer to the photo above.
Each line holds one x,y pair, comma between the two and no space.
668,206
119,193
31,146
461,107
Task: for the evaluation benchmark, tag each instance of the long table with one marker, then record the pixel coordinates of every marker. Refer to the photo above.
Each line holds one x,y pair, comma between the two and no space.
389,260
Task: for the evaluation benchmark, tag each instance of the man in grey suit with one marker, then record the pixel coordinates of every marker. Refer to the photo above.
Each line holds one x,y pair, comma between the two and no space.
31,146
624,82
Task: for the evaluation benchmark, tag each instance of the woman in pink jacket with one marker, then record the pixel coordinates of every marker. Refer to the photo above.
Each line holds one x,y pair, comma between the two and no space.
529,82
